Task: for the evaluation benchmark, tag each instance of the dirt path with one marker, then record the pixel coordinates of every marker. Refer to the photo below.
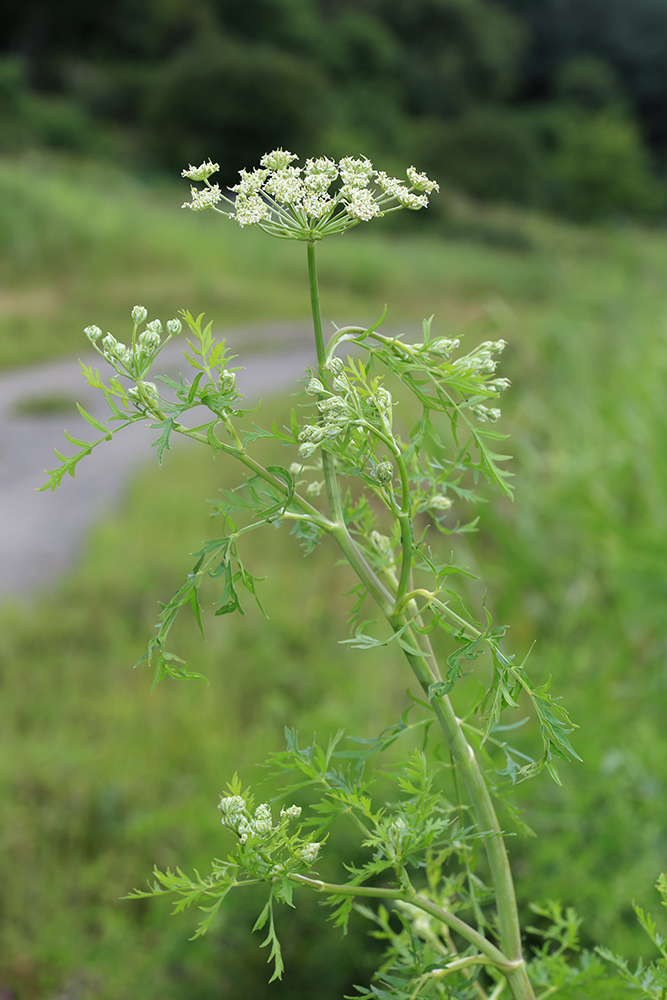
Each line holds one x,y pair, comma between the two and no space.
41,534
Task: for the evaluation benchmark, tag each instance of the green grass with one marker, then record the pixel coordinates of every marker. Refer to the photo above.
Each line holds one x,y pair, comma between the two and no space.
102,780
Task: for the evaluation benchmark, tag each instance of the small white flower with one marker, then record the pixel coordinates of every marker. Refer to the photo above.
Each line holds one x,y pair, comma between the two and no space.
250,183
356,173
205,198
286,186
200,173
309,852
251,210
93,333
319,174
174,327
421,181
315,205
278,159
360,203
139,314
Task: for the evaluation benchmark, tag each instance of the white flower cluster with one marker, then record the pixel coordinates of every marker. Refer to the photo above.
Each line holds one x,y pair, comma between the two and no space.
299,202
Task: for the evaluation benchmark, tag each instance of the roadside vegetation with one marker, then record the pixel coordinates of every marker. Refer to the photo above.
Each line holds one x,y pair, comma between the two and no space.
102,780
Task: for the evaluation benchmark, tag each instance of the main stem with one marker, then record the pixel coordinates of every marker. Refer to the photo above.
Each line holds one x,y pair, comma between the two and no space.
463,754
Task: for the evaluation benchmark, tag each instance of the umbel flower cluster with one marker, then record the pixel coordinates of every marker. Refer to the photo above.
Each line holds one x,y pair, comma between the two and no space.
258,827
310,202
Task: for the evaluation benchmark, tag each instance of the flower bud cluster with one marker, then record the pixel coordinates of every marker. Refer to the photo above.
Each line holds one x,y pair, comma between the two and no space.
483,413
134,361
300,202
309,852
236,817
480,361
444,346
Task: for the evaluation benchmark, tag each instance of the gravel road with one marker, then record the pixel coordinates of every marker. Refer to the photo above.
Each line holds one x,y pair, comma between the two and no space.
41,534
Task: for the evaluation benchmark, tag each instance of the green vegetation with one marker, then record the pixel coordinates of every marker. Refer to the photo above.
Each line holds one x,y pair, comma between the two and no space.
102,780
549,103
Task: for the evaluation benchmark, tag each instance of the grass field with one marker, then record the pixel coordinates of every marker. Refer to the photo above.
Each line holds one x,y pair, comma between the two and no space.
102,780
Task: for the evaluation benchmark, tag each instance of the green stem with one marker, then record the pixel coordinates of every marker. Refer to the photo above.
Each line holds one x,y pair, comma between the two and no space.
493,955
463,753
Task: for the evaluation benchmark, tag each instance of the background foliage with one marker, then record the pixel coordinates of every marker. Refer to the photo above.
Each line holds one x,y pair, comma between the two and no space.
553,103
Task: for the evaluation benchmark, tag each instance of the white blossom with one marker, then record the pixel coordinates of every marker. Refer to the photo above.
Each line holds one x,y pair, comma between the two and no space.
319,174
360,204
285,185
356,173
250,183
315,205
203,198
421,181
278,159
250,210
201,173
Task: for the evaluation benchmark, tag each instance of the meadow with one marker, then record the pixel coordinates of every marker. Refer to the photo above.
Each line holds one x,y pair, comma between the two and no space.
100,779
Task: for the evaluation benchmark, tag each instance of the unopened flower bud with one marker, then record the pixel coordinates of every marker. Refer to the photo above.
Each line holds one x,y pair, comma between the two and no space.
291,812
93,333
439,502
139,314
315,387
227,382
384,472
155,326
174,327
341,383
232,808
307,449
334,366
383,398
309,852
